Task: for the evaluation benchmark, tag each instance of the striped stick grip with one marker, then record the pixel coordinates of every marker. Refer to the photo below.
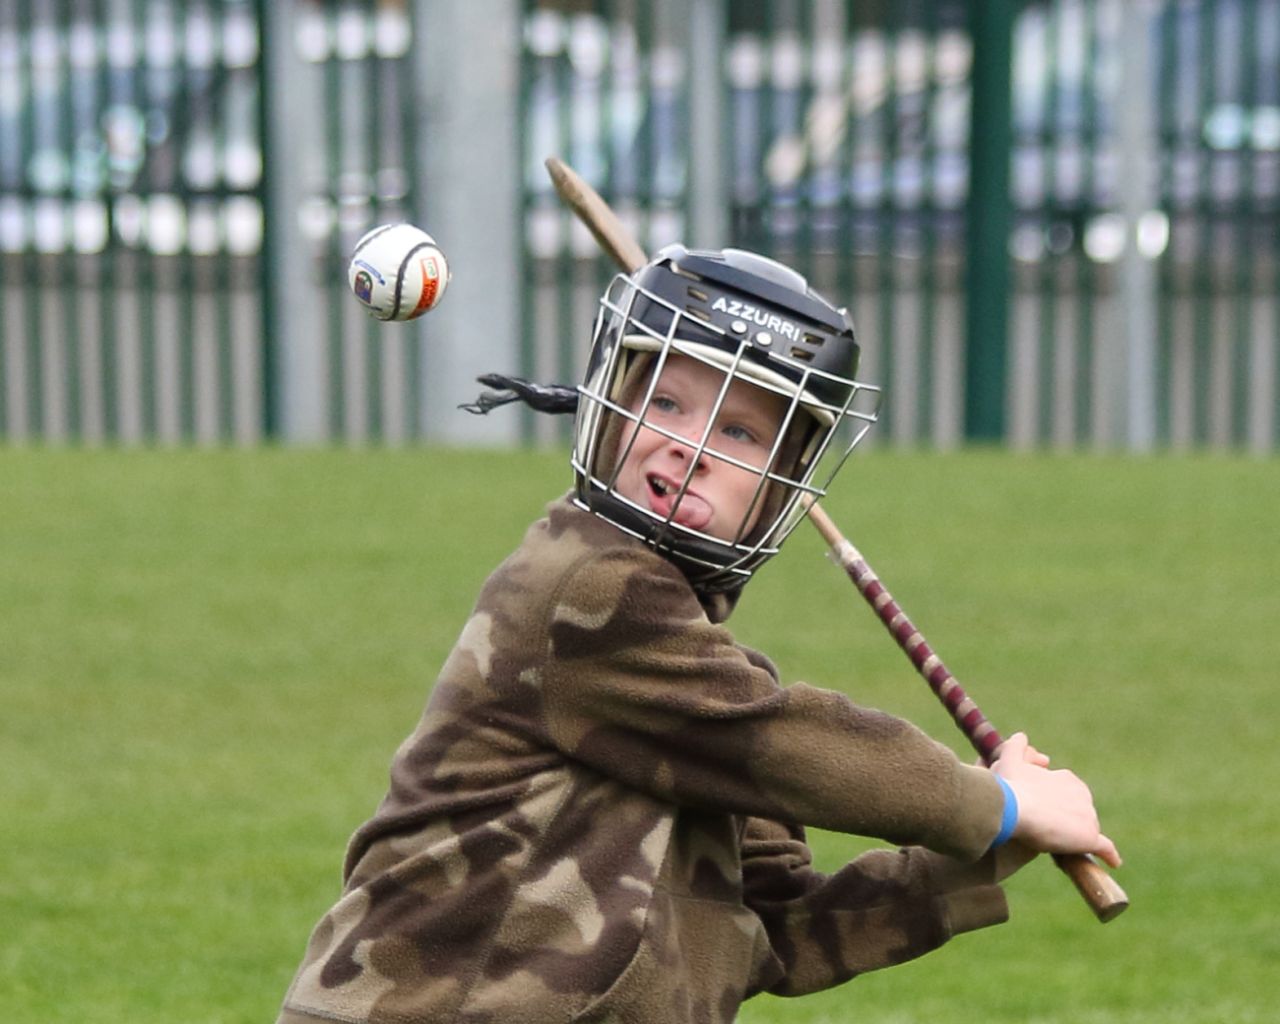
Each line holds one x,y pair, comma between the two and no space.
967,715
1105,897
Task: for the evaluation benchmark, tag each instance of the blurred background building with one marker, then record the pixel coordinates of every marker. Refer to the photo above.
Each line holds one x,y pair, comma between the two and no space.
1056,222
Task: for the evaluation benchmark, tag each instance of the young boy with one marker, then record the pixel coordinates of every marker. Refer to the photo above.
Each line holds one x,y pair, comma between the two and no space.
600,815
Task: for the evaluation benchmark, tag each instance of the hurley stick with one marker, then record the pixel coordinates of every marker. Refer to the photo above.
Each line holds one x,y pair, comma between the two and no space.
1103,894
599,218
1099,889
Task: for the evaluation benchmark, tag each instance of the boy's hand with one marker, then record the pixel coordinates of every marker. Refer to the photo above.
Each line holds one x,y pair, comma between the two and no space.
1055,808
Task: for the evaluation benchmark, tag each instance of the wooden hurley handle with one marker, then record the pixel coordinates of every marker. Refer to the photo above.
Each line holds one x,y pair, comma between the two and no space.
1103,894
610,233
1100,891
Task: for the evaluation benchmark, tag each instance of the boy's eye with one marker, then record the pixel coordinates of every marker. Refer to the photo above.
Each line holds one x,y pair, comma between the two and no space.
737,432
663,403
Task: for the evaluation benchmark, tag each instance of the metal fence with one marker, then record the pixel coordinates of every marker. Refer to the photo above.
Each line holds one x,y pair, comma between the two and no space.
131,222
1112,268
140,286
1056,223
349,128
1146,156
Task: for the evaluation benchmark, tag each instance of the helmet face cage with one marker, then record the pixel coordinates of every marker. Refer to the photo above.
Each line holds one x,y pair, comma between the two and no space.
754,323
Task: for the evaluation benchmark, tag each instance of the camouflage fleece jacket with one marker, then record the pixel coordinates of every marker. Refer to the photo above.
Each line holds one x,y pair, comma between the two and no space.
599,818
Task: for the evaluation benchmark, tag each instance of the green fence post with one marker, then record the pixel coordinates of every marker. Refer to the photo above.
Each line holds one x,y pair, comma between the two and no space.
273,250
708,173
989,219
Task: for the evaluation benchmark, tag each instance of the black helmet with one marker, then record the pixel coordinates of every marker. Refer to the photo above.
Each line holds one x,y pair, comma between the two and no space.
754,321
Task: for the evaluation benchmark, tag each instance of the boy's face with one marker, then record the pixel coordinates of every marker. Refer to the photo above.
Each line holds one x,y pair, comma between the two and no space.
719,492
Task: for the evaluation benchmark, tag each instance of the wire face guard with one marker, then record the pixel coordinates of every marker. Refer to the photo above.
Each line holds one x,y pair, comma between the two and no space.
637,332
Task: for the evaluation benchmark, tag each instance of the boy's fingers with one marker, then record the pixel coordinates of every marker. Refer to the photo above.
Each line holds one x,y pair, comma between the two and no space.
1014,747
1018,748
1108,853
1036,757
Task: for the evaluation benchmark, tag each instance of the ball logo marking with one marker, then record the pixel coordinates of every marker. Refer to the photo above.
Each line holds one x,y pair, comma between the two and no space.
363,287
371,270
430,285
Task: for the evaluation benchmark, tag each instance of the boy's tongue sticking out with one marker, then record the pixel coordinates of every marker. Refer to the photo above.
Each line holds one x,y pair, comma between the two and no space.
691,511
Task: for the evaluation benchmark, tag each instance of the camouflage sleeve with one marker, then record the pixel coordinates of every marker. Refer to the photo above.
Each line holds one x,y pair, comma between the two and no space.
881,909
642,687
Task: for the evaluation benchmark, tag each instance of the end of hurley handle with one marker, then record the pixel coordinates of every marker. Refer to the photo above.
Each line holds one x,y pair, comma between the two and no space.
1103,893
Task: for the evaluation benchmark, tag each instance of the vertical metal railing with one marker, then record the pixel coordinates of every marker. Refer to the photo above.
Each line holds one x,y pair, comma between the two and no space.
135,298
849,142
1220,196
355,85
1209,234
604,86
131,221
849,153
139,302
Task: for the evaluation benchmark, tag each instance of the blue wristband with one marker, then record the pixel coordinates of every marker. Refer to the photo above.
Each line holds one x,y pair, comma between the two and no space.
1009,819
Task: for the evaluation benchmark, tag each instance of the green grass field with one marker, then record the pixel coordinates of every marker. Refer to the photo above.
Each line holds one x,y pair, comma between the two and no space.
207,660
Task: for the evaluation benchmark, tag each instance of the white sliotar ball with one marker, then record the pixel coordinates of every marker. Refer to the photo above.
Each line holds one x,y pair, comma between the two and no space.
398,272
